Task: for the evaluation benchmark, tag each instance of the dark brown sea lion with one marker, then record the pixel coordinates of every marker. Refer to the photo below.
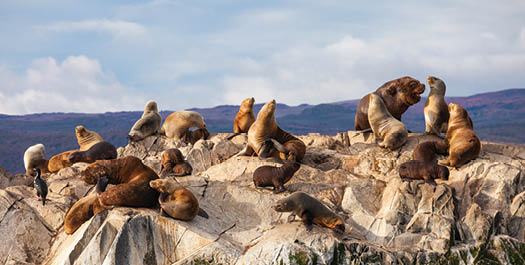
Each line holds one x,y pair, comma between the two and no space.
428,151
429,171
192,136
276,177
99,151
173,163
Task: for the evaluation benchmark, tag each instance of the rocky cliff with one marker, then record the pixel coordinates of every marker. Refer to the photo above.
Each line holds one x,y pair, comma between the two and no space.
477,216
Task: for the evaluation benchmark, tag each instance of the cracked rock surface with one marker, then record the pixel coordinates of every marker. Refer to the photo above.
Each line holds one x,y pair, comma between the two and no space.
477,216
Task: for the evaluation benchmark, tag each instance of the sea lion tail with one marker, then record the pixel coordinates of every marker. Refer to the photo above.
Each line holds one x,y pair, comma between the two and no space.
362,131
203,213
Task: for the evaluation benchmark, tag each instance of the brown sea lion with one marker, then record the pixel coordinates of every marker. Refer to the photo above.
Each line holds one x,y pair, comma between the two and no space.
60,161
131,179
173,163
428,151
175,200
99,151
398,95
429,171
192,136
276,177
34,157
267,139
436,110
311,211
393,132
178,123
80,212
148,124
86,138
245,117
464,144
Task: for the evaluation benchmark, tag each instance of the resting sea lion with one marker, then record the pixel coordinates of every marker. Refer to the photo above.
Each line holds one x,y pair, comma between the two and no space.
80,212
178,123
172,162
310,210
34,157
99,151
423,170
60,161
131,179
266,138
245,117
427,151
276,177
176,201
436,110
148,124
86,138
192,136
391,130
398,95
464,144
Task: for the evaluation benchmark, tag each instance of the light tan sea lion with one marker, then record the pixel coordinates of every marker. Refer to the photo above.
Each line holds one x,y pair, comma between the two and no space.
60,161
393,132
86,138
245,117
436,110
34,157
177,123
148,124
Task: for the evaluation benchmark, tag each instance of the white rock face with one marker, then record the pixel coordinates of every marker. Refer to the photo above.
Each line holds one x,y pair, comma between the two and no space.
478,215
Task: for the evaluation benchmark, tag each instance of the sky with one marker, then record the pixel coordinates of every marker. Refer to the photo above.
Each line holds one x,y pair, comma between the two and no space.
100,56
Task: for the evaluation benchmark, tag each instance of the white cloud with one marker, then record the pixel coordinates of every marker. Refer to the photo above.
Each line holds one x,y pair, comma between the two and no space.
77,84
117,28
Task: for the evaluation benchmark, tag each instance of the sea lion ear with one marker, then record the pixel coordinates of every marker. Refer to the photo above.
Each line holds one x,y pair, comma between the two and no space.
392,88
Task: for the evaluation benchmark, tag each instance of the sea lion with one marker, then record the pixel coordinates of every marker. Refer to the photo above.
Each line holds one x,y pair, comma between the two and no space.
40,187
86,138
310,210
385,126
178,123
148,124
175,200
436,110
429,171
80,212
427,151
245,117
102,184
276,177
173,163
131,179
34,157
266,138
397,94
192,136
60,161
464,144
99,151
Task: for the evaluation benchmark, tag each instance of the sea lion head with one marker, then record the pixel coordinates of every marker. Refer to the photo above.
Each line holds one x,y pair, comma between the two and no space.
283,205
247,104
404,170
151,106
436,85
74,157
164,185
442,172
267,110
81,131
410,90
94,171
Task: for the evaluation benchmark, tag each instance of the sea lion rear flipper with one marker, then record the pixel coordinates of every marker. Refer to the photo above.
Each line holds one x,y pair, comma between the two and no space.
203,213
279,146
232,136
246,151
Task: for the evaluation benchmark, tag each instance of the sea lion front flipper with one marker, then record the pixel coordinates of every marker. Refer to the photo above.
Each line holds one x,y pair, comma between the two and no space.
246,151
444,162
307,220
203,213
291,217
279,147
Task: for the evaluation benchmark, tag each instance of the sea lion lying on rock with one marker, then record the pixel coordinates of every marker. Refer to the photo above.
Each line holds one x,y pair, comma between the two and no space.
173,163
177,201
429,171
99,151
427,151
178,123
276,177
192,136
60,161
393,133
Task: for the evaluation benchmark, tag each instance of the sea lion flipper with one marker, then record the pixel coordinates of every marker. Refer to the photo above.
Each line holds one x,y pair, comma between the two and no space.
246,151
203,213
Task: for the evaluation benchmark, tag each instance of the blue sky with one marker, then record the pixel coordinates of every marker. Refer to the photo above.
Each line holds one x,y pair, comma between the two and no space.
98,56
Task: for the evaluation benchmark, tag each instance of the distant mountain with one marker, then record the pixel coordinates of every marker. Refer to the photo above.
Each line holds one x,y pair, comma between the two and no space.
498,117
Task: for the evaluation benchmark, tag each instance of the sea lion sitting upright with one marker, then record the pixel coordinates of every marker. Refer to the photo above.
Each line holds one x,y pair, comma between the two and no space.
429,171
86,138
172,162
398,95
311,211
177,123
99,151
436,110
148,124
276,177
427,151
267,139
392,131
34,157
464,144
176,201
245,117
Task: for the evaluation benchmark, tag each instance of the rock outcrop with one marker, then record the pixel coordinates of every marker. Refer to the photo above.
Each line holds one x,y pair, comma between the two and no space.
477,216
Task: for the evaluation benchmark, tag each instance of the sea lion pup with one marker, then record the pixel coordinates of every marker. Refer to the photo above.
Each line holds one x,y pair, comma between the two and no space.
427,151
86,138
178,122
429,171
436,110
99,151
276,177
244,118
177,201
192,136
310,210
148,124
34,157
60,161
40,187
131,179
264,130
391,130
464,144
398,95
173,163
